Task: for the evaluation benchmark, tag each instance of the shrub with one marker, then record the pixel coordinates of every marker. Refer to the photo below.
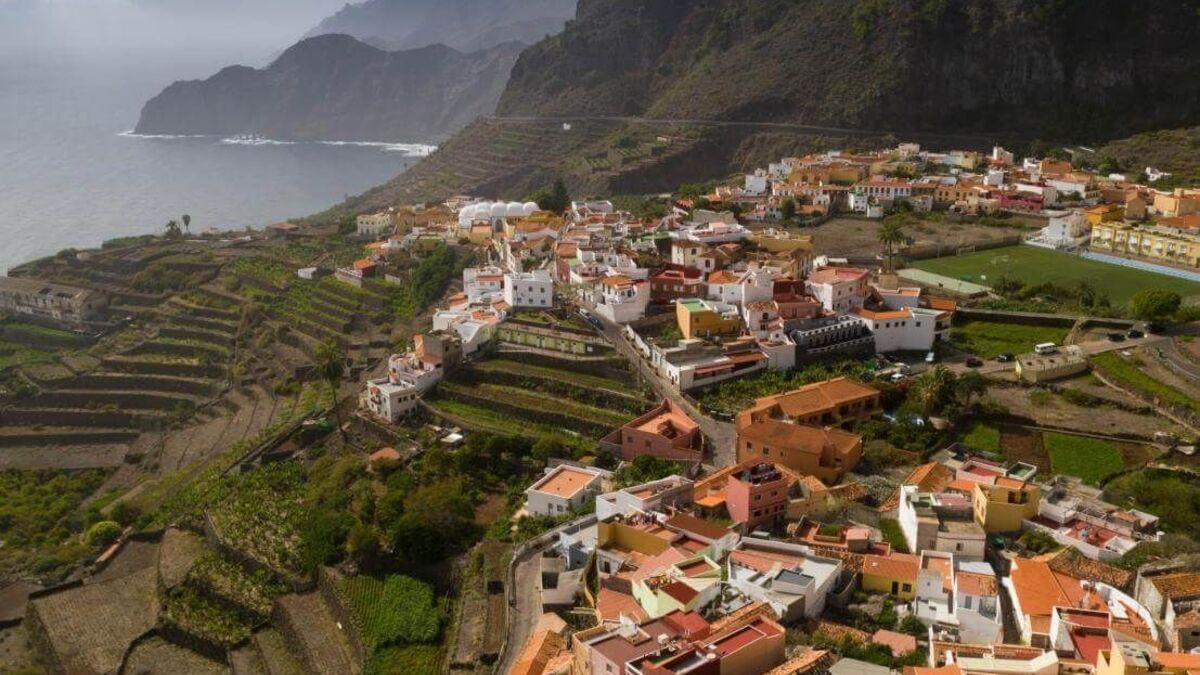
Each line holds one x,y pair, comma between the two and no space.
102,533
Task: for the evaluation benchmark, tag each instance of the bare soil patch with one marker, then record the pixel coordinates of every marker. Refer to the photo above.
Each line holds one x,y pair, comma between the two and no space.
1055,411
853,237
1023,445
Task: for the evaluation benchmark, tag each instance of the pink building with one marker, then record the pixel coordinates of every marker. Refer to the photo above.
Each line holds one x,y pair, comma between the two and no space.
665,432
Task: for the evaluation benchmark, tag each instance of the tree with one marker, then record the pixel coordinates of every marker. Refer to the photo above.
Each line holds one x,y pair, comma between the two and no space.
437,520
362,546
1087,293
891,234
1154,304
187,223
173,231
556,200
331,364
933,389
970,386
787,211
1108,165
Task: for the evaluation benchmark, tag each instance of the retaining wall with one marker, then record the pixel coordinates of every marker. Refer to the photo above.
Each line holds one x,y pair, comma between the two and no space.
201,370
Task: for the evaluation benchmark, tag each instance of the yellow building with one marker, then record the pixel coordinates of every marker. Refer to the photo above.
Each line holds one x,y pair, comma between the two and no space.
894,574
1171,241
1003,506
700,318
1105,213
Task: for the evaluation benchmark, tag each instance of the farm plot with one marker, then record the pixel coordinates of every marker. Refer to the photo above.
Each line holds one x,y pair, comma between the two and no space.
1090,459
261,513
393,610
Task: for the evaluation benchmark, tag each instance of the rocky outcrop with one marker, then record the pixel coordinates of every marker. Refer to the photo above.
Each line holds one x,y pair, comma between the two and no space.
336,88
1056,69
467,25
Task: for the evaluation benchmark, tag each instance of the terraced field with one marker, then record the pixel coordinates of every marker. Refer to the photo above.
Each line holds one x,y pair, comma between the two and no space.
533,400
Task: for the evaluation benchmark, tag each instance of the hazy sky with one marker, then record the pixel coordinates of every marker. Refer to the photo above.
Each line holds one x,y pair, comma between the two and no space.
247,31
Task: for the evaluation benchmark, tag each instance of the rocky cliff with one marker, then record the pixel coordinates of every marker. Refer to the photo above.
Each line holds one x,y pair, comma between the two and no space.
1062,69
467,25
334,87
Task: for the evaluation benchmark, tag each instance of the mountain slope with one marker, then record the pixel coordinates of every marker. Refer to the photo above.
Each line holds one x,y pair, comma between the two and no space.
467,25
334,87
1086,69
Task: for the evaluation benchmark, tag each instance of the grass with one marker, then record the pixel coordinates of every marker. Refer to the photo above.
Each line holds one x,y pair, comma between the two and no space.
1129,375
409,659
982,437
1090,459
892,534
987,339
1037,265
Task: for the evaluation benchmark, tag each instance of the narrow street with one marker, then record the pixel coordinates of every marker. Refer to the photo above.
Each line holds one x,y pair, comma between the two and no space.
721,435
523,614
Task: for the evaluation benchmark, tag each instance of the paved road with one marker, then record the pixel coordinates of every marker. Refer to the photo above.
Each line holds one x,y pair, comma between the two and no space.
523,615
720,434
984,138
1091,348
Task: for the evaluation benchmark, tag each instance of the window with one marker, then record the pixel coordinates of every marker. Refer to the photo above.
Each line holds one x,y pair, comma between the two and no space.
907,588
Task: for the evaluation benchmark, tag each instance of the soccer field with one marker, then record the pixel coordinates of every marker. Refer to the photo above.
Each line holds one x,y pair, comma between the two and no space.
1037,265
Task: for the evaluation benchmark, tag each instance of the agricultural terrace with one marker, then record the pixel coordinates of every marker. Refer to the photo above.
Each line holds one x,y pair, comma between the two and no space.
393,609
1033,265
261,514
539,397
34,516
987,339
1090,459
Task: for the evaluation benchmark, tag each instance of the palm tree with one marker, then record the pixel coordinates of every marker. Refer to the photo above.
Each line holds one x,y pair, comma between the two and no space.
891,234
187,223
331,365
933,389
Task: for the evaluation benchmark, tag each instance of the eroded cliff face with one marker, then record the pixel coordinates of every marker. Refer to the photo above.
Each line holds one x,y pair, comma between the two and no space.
334,87
1064,69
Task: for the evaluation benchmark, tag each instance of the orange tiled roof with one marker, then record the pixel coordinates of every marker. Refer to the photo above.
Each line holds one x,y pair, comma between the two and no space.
974,583
817,397
901,566
800,437
1178,584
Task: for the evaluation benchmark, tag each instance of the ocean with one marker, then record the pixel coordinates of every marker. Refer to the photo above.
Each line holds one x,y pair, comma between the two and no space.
72,175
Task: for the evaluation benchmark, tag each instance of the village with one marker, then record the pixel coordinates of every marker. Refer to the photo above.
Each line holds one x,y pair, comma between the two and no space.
901,410
972,562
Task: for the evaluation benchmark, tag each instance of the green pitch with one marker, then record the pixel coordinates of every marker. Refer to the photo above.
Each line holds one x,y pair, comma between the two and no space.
1030,264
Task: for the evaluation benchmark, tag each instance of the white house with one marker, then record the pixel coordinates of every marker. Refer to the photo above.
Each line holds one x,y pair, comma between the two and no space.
563,489
621,299
529,289
908,329
483,285
788,577
961,597
756,284
693,254
390,401
839,289
757,183
375,224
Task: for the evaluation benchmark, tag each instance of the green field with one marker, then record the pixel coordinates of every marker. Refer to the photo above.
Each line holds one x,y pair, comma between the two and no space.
983,437
1030,264
1088,458
986,339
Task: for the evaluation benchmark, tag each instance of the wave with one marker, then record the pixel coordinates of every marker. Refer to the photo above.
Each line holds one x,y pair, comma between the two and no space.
406,149
168,137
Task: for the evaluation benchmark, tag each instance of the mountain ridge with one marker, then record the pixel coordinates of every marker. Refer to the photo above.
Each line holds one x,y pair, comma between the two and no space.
337,88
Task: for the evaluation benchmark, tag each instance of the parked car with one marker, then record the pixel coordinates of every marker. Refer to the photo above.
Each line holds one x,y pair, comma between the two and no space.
974,362
1005,357
1116,337
1134,334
